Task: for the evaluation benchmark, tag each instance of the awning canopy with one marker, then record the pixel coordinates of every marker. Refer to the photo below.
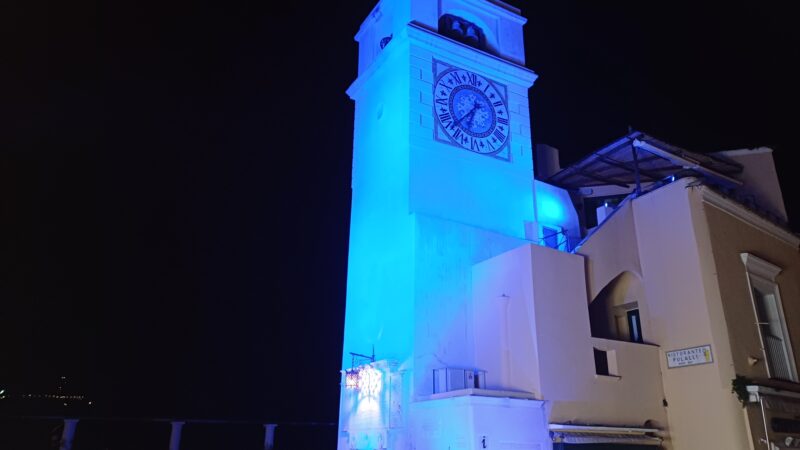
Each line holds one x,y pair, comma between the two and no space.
605,438
640,158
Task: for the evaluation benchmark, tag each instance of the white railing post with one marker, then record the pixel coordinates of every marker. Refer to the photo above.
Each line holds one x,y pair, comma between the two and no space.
175,435
269,435
68,434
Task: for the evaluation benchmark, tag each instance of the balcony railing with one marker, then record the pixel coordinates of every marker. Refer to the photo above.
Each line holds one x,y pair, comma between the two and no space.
92,433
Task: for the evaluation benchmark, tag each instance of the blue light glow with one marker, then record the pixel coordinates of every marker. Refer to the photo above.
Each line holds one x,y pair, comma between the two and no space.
379,292
370,382
423,213
550,209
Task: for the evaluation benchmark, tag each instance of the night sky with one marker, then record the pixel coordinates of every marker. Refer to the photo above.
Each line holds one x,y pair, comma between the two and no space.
175,176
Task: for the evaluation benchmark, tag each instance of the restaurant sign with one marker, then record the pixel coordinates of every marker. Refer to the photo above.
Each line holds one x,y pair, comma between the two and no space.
689,356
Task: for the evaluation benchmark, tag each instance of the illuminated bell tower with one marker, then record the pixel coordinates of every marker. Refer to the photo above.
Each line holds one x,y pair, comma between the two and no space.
442,179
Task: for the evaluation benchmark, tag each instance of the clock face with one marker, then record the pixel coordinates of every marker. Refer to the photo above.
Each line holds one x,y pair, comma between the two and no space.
471,112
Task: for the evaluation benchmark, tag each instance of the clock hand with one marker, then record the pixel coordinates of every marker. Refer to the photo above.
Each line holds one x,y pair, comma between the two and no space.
471,118
472,111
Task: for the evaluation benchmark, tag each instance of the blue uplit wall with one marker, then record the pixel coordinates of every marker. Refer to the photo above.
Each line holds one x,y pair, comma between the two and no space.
445,251
379,281
425,211
554,208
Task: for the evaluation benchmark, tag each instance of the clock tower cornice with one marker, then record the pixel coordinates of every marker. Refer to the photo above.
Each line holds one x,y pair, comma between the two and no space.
496,67
451,50
497,8
393,49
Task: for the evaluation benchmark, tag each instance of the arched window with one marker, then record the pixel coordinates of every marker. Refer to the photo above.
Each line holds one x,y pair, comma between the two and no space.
614,312
462,31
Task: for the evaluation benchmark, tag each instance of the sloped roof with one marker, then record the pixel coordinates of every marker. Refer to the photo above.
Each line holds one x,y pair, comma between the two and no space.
638,154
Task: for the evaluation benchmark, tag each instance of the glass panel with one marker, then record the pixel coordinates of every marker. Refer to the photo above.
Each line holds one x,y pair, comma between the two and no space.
600,362
550,237
634,326
771,328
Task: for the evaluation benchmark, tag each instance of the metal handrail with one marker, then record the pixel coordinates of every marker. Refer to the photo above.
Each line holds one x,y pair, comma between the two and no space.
70,425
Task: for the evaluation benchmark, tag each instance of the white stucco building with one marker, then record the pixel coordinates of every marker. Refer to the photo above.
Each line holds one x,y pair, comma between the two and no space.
608,304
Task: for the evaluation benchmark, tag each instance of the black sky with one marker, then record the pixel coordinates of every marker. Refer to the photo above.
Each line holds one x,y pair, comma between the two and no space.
175,177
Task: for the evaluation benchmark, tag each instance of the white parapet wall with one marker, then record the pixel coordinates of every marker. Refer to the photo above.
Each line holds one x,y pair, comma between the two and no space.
471,422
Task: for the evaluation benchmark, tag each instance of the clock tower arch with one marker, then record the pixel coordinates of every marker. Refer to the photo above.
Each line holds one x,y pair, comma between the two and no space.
442,179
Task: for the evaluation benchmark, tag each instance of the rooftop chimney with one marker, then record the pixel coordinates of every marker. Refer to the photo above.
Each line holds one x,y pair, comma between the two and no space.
547,163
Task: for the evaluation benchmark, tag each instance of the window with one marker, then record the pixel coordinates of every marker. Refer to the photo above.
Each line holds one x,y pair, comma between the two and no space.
462,30
628,321
600,362
769,317
553,237
634,325
771,330
550,237
605,362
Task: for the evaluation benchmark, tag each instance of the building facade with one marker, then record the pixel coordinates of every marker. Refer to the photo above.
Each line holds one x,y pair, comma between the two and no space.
622,301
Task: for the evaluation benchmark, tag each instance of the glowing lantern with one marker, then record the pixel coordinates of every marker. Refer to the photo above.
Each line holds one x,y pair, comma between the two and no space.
351,378
369,381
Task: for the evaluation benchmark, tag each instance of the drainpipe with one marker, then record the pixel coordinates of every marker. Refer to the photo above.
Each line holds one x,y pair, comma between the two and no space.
764,418
504,305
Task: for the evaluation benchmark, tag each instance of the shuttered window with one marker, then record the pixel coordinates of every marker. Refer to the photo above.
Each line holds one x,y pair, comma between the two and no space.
770,321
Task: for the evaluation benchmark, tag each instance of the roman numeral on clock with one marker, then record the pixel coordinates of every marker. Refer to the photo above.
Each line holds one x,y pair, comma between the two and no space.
446,117
498,103
502,120
454,76
500,136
